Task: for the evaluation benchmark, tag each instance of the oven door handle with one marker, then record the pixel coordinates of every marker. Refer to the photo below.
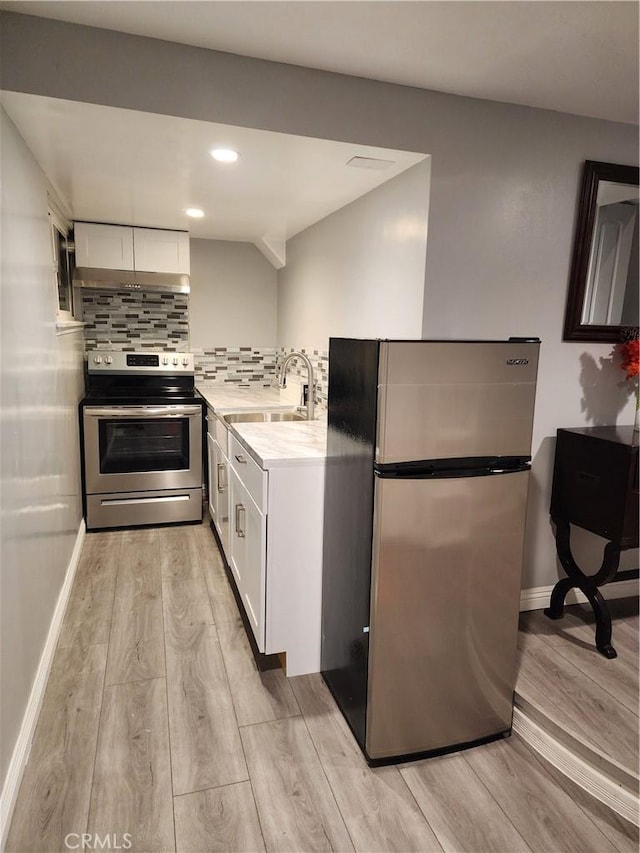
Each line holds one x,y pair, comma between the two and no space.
167,411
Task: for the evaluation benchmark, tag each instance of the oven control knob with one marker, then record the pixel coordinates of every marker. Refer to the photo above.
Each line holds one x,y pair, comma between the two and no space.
108,360
165,359
175,360
97,359
185,361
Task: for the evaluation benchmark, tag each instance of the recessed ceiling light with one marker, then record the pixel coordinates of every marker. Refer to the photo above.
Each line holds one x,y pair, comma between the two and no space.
195,212
224,155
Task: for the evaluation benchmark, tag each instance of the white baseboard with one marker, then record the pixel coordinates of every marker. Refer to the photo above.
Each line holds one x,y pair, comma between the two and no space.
27,729
538,597
589,778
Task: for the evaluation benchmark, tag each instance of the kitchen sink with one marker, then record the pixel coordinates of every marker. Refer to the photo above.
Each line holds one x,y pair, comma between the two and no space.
262,417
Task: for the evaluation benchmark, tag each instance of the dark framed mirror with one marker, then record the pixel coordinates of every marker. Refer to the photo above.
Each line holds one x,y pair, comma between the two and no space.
603,286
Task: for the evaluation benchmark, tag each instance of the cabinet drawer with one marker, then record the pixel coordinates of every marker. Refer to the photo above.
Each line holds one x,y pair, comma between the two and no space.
221,433
251,474
218,430
211,423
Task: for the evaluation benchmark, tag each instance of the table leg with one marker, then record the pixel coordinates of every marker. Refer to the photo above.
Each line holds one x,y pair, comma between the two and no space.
555,610
587,584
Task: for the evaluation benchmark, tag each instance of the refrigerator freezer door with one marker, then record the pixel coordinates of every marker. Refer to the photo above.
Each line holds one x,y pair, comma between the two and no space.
455,399
444,611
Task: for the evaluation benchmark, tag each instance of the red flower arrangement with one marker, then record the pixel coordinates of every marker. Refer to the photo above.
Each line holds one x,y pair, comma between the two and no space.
629,351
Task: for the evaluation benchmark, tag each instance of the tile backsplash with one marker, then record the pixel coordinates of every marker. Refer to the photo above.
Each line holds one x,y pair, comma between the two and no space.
259,366
319,361
127,320
240,365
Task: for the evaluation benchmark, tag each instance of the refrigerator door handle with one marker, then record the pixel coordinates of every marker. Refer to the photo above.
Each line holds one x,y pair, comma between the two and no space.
440,469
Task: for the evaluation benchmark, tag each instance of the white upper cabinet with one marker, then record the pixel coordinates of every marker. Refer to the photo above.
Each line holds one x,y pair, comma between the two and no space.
108,247
123,247
161,251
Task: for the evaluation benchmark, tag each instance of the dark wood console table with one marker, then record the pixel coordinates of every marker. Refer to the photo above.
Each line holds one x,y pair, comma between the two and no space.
595,486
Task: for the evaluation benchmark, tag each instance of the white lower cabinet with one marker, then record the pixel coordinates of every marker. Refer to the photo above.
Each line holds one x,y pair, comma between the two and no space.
211,483
276,554
222,509
270,524
237,540
218,485
248,546
294,565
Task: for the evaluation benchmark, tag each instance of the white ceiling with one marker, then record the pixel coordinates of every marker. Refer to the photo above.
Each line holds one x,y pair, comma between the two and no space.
576,56
123,166
117,165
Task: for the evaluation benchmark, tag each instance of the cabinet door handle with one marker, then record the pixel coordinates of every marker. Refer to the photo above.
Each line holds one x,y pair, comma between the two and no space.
241,459
240,518
222,477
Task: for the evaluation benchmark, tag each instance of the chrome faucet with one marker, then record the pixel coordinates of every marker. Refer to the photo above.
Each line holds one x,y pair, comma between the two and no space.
282,381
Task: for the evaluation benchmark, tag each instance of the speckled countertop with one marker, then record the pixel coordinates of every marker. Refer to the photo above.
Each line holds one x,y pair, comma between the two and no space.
289,443
232,398
270,444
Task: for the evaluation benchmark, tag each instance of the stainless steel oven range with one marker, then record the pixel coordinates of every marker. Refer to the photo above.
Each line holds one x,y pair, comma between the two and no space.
141,426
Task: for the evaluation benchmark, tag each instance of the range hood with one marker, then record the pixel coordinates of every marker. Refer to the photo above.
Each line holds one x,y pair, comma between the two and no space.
152,282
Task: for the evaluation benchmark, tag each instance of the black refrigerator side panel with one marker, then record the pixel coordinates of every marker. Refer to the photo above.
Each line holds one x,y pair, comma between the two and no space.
348,524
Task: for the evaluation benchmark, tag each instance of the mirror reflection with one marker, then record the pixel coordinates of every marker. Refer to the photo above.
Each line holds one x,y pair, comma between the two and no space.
611,291
602,300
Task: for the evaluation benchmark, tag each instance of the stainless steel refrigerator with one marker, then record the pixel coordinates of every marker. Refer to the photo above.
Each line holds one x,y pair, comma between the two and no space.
429,451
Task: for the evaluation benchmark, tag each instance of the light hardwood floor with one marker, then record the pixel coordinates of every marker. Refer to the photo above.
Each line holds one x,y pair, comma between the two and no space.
592,698
158,731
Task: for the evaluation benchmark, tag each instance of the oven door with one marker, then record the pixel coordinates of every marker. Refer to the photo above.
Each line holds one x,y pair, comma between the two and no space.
135,448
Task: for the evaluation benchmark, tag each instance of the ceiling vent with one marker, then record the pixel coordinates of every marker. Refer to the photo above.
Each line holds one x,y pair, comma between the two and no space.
370,163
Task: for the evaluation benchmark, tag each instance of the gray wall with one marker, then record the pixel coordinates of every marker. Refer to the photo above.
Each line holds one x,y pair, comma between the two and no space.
41,384
360,271
234,294
501,222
